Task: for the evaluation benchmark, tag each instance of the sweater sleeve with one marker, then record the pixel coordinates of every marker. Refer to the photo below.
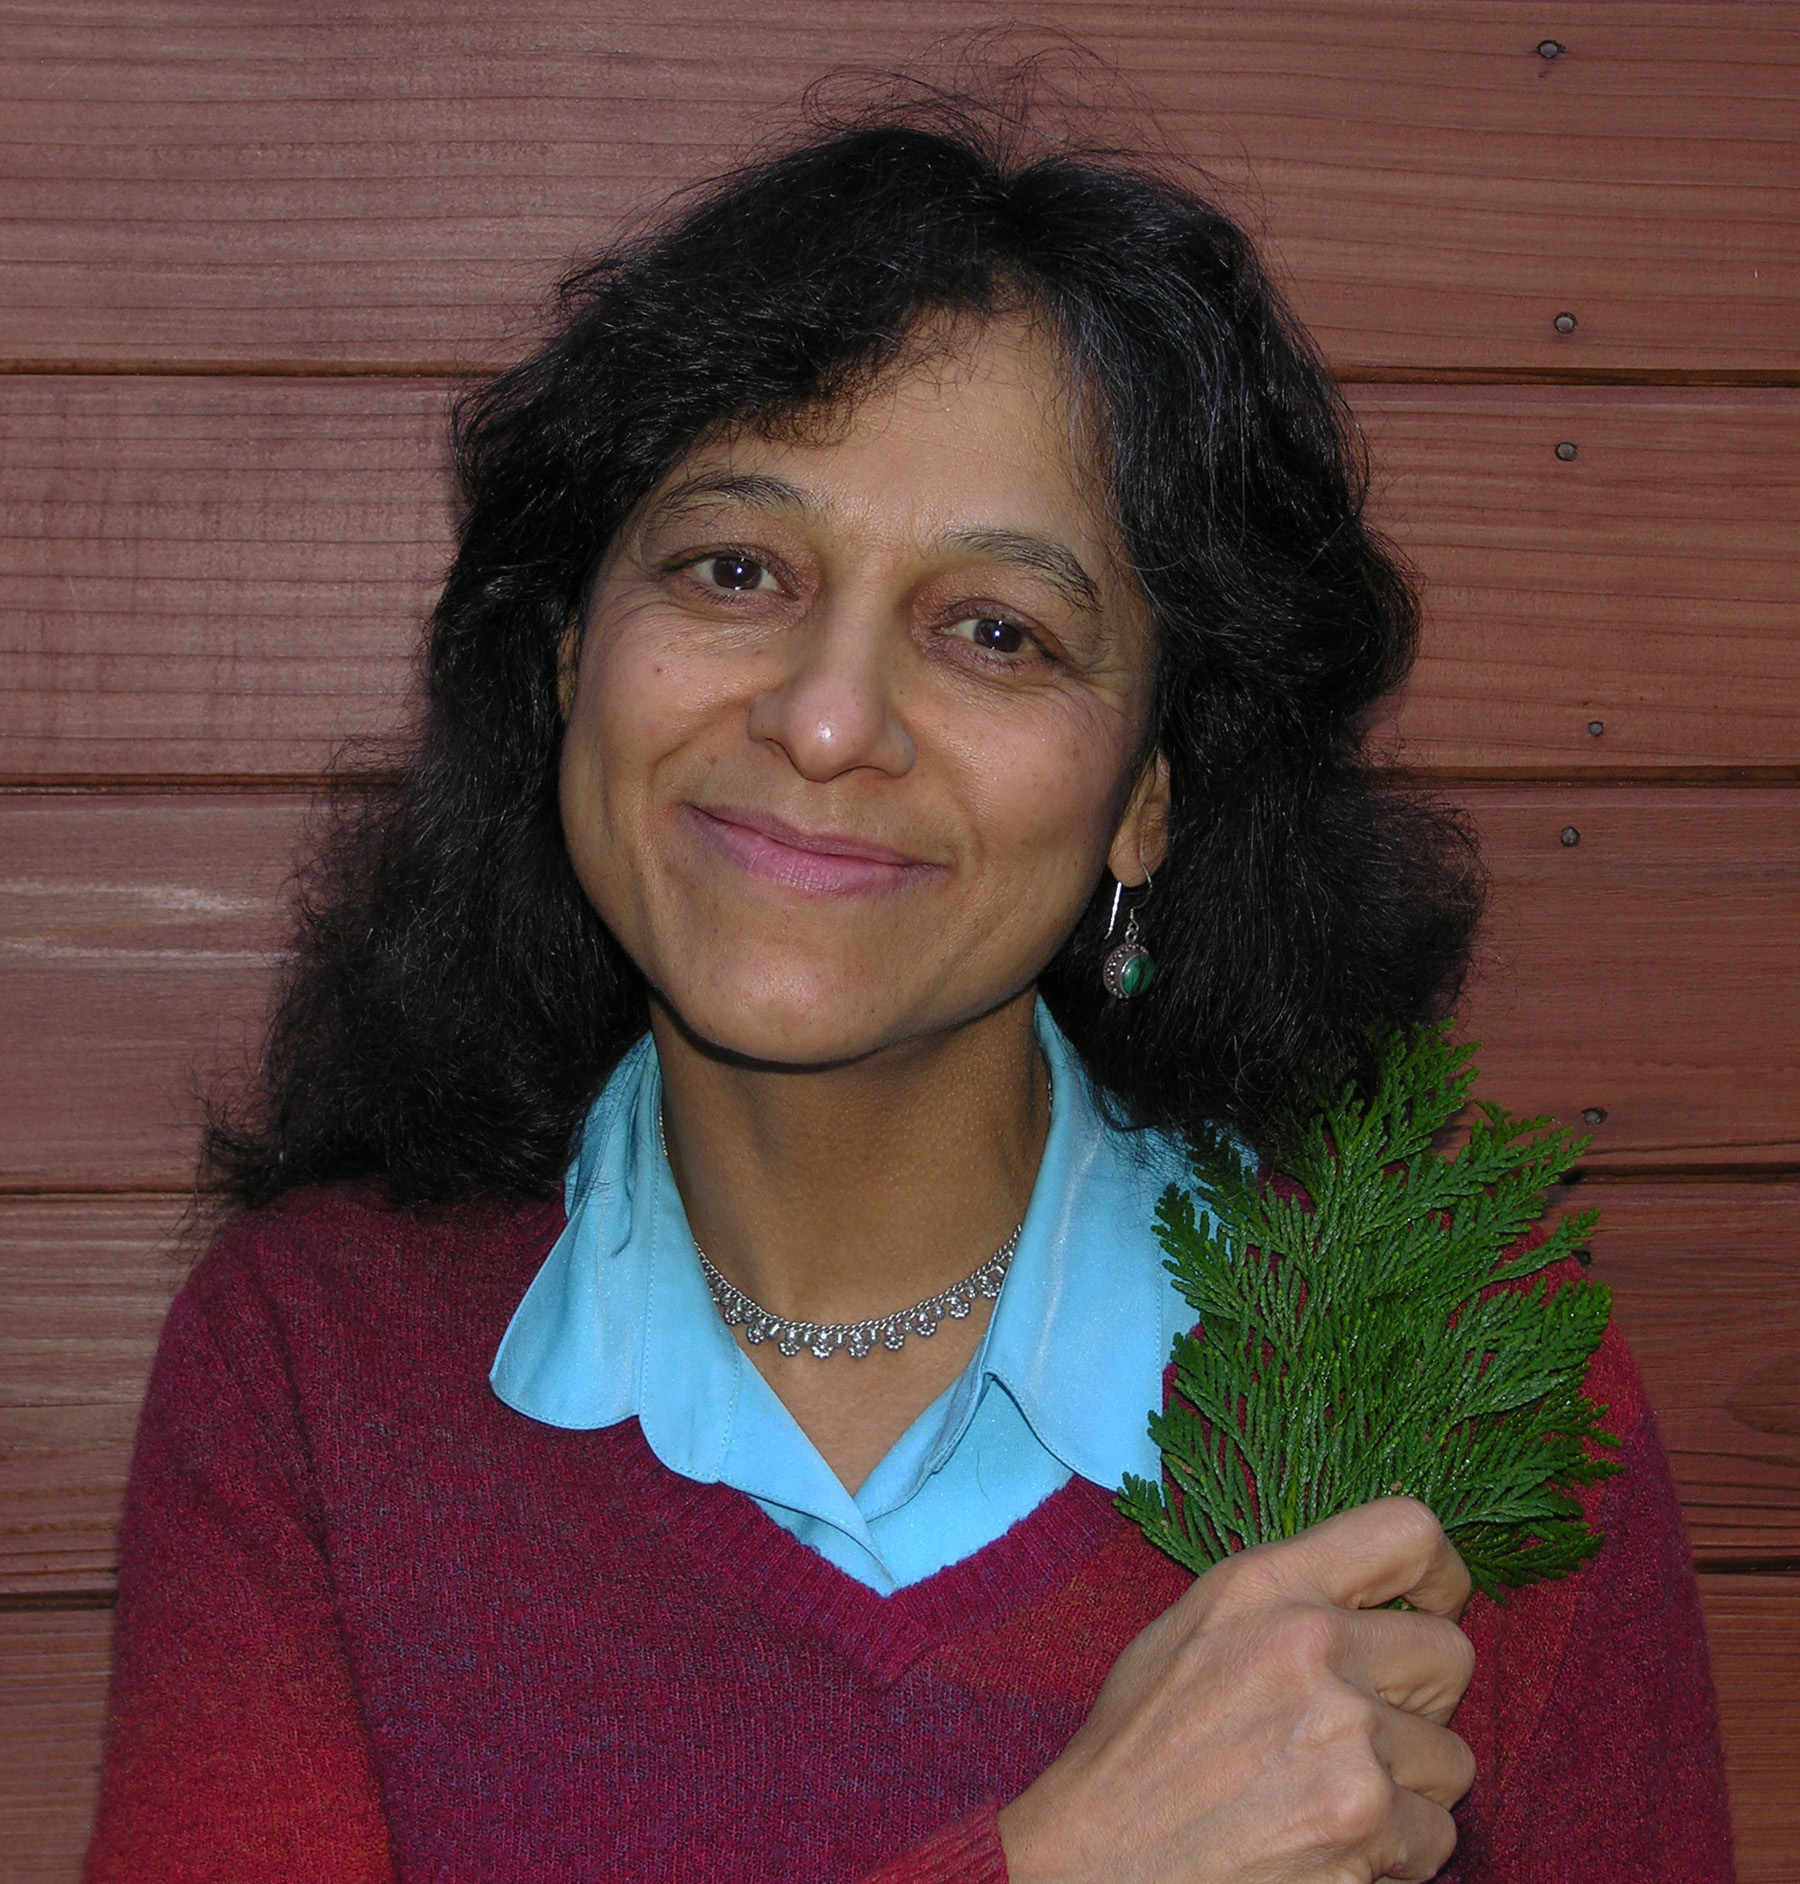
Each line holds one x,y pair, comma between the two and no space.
235,1746
968,1852
1595,1726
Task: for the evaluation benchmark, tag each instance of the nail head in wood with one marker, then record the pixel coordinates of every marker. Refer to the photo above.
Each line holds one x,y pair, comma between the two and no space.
1570,837
1564,323
1565,451
1550,49
1596,727
1593,1115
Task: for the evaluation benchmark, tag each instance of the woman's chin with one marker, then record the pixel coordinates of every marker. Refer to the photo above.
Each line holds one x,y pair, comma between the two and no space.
820,1024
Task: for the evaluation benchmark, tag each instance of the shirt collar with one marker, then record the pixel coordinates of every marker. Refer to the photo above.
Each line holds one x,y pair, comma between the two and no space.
618,1321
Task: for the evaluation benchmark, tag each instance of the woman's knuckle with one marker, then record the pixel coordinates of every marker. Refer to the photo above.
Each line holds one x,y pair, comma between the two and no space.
1462,1761
1306,1637
1236,1583
1459,1656
1439,1835
1416,1528
1354,1802
1339,1718
1448,1651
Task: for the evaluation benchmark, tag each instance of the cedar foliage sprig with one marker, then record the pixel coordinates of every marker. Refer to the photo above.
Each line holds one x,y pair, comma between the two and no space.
1353,1343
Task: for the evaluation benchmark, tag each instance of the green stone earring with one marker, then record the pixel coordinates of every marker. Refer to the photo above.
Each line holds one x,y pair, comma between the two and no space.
1128,969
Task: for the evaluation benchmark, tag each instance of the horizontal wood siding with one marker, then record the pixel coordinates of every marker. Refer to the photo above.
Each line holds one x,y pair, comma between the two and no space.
213,187
222,577
1647,584
1638,961
139,939
53,1679
1706,1286
84,1285
1753,1624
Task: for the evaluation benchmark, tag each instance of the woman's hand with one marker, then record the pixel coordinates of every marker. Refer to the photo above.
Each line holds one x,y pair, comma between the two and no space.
1276,1726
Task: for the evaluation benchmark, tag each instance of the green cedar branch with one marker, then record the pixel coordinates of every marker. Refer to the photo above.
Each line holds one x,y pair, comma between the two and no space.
1385,1331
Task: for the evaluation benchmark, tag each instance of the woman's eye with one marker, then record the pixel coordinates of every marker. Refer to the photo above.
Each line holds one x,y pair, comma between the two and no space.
994,634
738,574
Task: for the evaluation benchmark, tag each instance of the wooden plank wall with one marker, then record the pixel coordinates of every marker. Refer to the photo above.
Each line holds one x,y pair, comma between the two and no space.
246,247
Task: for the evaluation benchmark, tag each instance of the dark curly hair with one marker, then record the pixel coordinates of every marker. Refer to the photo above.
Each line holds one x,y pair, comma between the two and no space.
455,1003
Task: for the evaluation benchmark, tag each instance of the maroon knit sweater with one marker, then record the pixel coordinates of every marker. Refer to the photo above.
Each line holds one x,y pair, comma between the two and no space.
375,1626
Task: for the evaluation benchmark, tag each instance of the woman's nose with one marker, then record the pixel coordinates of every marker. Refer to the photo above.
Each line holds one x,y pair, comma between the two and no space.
833,710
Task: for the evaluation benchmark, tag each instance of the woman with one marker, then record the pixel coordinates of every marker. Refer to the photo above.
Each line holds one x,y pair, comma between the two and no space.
918,599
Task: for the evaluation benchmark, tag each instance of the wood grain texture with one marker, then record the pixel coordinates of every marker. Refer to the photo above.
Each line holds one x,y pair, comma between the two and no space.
260,611
236,186
1706,1286
1646,971
139,937
84,1285
53,1697
53,1669
213,576
1753,1625
1650,584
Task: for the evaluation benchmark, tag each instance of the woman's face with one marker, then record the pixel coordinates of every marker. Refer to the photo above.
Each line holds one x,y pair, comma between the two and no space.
852,731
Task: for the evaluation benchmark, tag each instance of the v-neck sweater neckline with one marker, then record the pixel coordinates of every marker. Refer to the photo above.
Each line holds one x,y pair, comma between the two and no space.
726,1539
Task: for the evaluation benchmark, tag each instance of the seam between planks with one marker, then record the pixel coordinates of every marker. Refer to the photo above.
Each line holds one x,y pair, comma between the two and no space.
450,368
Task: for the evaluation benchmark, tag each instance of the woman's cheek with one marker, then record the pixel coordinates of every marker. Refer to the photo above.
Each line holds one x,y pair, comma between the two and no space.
1053,797
650,709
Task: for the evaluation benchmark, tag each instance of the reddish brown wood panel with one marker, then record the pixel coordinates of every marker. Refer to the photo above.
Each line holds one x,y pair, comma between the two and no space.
1706,1285
52,1705
1646,971
138,941
1646,580
84,1285
230,186
1753,1624
53,1686
258,610
213,576
62,1485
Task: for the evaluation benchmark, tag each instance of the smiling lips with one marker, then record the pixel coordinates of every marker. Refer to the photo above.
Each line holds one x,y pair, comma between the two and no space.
816,861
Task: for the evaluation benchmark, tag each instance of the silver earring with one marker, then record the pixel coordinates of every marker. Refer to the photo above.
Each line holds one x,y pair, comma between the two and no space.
1128,969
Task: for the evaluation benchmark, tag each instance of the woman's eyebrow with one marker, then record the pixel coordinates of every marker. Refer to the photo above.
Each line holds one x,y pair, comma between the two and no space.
1058,565
755,488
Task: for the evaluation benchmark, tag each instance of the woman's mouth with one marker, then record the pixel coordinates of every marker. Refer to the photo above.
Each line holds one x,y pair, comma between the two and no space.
823,863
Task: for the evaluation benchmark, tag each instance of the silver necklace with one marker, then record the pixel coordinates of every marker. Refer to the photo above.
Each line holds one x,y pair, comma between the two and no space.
822,1339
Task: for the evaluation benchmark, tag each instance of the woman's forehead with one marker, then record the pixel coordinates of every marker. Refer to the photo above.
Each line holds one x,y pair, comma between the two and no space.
975,431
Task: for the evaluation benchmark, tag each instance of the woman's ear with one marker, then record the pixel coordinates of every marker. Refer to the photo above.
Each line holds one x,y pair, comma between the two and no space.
1142,839
568,666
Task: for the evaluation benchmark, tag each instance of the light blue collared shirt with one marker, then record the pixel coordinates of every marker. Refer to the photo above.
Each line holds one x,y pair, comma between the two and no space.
618,1324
